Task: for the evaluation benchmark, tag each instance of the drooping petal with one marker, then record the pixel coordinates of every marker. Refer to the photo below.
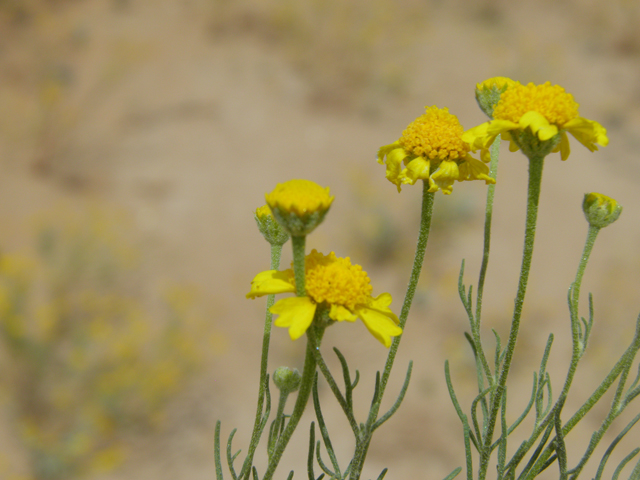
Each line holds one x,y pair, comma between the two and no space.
587,132
476,137
296,313
472,169
380,325
384,151
498,126
340,313
563,146
394,166
272,281
538,125
445,175
381,304
417,169
482,136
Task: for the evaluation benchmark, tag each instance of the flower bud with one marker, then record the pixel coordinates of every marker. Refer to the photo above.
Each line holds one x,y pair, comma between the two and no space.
299,205
600,210
269,227
488,93
286,380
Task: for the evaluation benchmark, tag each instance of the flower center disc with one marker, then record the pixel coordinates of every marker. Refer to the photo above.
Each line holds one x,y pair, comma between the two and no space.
436,135
336,281
551,101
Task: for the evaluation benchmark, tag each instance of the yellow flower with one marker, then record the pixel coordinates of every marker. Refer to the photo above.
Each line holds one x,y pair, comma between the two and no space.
432,149
333,285
536,119
299,205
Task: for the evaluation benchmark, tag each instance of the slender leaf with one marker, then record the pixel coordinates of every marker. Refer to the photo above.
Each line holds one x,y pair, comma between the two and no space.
398,402
453,474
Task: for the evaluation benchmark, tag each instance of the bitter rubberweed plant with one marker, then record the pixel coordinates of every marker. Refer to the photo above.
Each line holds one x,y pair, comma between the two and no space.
328,289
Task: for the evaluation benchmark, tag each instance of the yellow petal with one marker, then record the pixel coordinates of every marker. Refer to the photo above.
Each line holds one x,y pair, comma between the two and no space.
513,146
394,166
587,132
381,304
417,169
384,151
340,313
472,169
380,325
296,313
496,127
271,281
476,136
538,125
563,146
445,175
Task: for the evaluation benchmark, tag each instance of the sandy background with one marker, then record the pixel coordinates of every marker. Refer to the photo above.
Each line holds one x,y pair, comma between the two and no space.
183,114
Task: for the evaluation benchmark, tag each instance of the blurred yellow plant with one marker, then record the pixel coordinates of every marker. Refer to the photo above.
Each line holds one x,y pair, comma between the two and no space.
82,356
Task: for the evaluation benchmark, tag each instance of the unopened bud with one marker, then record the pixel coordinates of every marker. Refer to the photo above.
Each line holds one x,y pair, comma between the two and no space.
270,229
488,93
600,210
286,379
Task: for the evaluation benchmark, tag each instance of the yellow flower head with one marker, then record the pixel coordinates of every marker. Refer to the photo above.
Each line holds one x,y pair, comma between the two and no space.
536,119
271,230
333,285
432,149
299,205
488,93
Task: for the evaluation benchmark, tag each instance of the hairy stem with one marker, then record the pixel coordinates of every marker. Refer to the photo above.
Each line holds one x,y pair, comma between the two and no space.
536,164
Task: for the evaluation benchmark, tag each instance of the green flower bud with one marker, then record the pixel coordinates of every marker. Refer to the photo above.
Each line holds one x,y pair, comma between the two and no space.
600,210
488,93
269,227
287,380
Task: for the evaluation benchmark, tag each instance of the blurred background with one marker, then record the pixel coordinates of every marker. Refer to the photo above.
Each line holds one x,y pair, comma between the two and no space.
137,138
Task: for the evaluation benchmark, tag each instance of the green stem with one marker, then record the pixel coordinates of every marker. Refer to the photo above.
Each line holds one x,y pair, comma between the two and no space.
475,326
536,164
279,418
578,344
577,350
258,426
493,172
588,246
306,383
363,443
298,244
423,237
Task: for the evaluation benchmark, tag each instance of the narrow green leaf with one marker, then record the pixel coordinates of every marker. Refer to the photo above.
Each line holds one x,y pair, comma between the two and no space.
324,432
398,402
231,458
216,452
312,443
613,445
453,474
382,474
623,463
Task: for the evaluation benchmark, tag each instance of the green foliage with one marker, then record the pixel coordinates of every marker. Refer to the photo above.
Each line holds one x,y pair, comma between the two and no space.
487,427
